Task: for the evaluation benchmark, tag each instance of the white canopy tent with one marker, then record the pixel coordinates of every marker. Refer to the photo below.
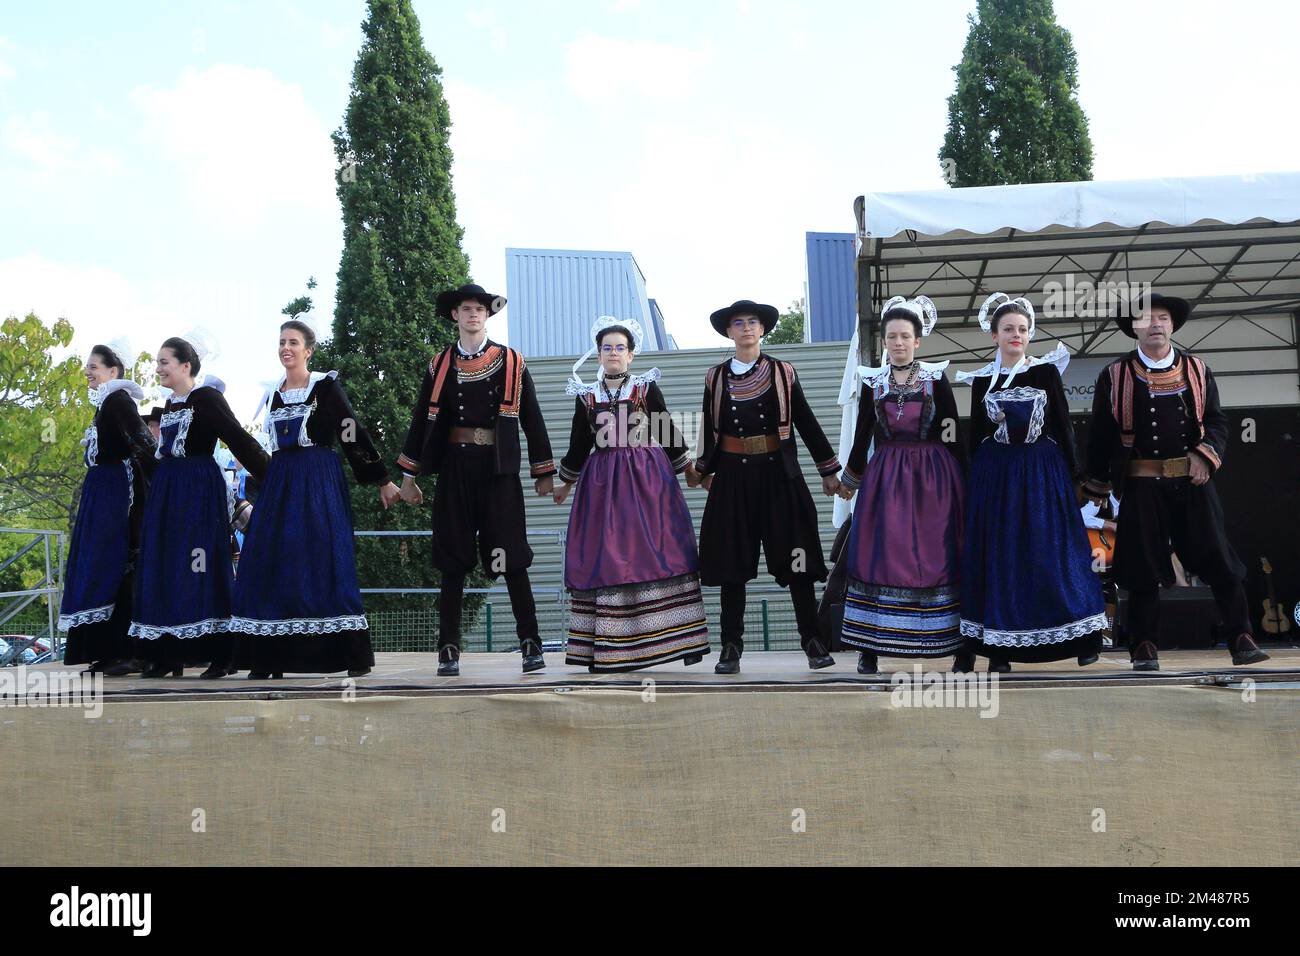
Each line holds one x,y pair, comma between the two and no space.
1230,245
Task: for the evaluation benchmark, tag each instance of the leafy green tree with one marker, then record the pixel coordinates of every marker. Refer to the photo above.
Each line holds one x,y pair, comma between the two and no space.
1015,116
401,247
789,327
44,411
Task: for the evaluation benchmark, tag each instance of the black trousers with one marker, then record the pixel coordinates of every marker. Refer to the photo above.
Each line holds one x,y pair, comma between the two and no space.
521,604
1160,517
805,613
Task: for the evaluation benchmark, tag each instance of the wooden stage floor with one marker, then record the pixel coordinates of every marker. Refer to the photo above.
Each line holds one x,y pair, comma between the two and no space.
404,674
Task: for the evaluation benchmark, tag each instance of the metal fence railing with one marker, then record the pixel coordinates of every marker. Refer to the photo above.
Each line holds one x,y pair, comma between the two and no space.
17,606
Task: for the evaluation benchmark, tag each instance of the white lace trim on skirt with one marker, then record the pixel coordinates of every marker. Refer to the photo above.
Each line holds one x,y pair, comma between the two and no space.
301,625
92,615
150,632
1035,638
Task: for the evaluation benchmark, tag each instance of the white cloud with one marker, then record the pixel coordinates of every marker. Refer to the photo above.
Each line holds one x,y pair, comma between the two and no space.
33,140
245,142
601,69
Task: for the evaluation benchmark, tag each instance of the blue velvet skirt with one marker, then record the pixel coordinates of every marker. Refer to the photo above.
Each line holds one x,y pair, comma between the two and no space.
95,609
297,604
184,579
1028,591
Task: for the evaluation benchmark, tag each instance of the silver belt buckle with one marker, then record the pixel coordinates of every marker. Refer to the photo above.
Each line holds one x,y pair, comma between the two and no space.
481,436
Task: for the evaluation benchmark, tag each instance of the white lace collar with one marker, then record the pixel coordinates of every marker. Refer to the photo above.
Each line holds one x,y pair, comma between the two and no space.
207,381
296,396
579,388
880,375
1059,356
1157,365
97,395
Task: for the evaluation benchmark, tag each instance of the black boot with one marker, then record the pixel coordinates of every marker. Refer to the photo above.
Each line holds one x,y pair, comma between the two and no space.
449,661
532,652
728,660
1086,659
818,656
999,665
358,671
1245,651
1145,657
963,662
217,671
867,663
116,669
690,659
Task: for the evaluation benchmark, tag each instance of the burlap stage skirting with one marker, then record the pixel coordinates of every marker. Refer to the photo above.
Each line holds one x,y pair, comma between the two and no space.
1140,776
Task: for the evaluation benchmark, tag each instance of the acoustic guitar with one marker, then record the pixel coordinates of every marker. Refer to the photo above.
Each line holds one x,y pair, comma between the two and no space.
1275,619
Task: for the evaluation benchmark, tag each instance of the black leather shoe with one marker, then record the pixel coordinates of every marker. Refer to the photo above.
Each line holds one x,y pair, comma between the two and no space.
1086,659
867,663
998,665
963,663
449,661
116,669
1245,651
217,671
1145,657
157,671
728,660
690,659
818,657
259,675
358,671
532,652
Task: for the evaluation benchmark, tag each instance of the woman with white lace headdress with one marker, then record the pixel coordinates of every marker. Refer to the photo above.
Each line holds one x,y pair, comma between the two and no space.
630,561
1028,592
297,603
183,584
119,456
903,557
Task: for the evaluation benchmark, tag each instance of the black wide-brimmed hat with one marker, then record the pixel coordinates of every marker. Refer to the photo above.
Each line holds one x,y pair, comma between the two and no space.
1179,310
155,414
447,301
767,314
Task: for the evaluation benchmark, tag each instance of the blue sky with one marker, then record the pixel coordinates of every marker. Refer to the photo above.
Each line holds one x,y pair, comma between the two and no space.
167,166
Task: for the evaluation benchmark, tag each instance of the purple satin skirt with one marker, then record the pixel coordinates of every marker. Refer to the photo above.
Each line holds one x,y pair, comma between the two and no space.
629,522
907,521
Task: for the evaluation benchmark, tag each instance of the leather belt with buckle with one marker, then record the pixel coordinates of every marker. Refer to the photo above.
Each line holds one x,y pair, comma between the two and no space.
472,436
1160,468
754,445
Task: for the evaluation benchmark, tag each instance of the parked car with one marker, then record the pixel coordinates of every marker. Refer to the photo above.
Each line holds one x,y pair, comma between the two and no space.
16,649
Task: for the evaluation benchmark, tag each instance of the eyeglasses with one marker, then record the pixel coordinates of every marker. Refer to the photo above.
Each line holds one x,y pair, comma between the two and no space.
613,349
744,321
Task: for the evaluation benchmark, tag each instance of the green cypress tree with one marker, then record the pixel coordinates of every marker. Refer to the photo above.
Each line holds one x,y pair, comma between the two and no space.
401,247
1015,116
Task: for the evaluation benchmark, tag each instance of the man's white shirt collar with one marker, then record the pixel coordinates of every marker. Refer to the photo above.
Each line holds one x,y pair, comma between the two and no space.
1151,363
740,368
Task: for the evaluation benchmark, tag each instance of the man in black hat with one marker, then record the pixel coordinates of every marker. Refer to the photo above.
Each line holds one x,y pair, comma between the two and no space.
1158,436
475,397
757,495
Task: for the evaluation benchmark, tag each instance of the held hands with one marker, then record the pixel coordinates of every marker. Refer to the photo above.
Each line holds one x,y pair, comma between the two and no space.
696,480
831,486
388,495
410,492
545,485
561,492
845,492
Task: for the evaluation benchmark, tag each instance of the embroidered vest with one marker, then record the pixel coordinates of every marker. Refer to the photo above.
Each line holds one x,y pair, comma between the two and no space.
446,362
784,384
1124,373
